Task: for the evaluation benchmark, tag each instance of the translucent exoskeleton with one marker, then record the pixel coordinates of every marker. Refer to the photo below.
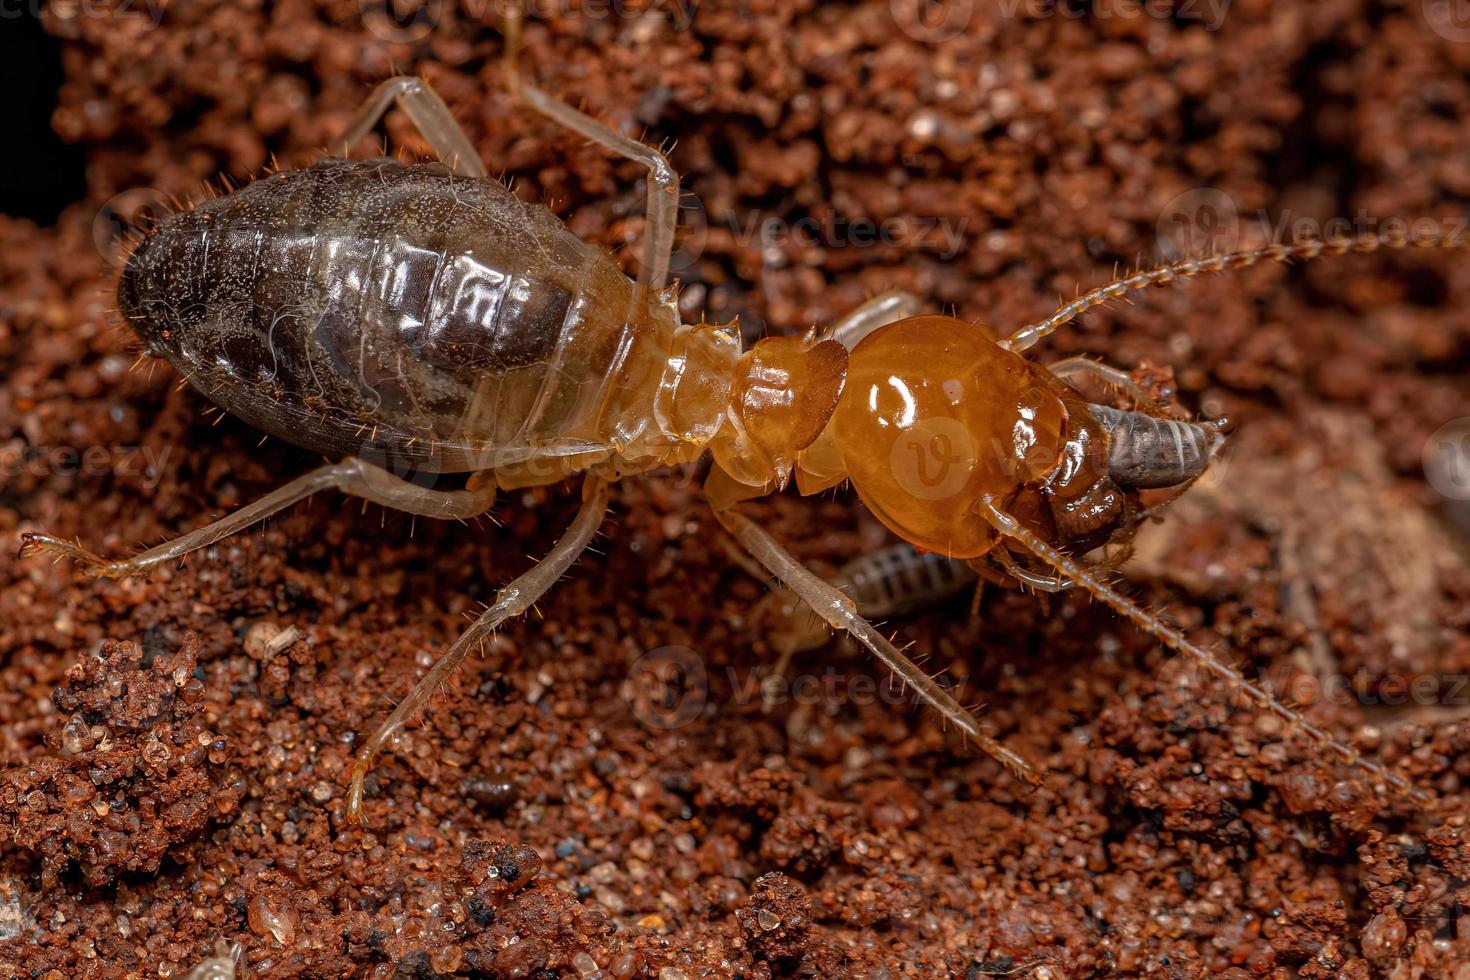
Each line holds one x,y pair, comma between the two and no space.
420,316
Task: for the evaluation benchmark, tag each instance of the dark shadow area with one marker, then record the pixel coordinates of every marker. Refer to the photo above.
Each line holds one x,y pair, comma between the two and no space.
40,175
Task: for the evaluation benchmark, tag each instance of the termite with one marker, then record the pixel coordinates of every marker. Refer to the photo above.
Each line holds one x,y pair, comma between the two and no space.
422,317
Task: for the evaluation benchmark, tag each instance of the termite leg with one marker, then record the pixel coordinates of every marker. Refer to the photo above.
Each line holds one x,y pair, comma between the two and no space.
840,612
894,580
1040,583
512,600
663,182
1117,377
1189,268
428,112
881,310
1174,639
351,476
793,626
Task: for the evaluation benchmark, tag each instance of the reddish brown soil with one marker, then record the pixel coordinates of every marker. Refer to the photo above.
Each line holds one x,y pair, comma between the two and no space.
533,826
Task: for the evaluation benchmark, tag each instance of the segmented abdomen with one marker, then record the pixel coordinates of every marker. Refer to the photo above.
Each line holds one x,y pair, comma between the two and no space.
373,308
1148,453
891,581
900,579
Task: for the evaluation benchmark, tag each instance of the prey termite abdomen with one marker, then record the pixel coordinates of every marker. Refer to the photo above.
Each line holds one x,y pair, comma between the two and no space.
1149,453
891,581
400,316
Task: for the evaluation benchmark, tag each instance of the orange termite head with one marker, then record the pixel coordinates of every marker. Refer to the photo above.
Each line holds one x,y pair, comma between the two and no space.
935,416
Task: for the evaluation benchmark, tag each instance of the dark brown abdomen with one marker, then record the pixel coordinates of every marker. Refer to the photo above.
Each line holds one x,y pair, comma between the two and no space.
393,311
1151,453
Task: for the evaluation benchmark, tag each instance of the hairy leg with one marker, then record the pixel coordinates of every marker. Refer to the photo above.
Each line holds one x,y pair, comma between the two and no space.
1073,366
1040,583
840,612
891,581
510,601
351,476
663,182
881,310
428,112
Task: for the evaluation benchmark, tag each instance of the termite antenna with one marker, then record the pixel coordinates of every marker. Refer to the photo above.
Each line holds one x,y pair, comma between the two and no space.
1174,638
1307,249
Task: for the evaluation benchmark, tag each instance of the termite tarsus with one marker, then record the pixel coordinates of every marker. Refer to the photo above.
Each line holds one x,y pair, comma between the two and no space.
423,317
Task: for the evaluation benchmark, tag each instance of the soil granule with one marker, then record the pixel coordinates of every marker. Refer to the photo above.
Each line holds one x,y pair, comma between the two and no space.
175,749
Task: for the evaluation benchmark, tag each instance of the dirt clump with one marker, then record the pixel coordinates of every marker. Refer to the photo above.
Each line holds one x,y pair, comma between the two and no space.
131,770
